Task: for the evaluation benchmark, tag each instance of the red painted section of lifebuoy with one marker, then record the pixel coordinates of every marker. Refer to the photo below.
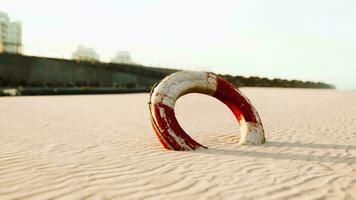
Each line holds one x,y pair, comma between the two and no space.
233,98
168,126
160,138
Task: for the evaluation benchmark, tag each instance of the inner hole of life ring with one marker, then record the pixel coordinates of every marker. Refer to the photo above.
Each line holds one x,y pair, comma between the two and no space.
207,120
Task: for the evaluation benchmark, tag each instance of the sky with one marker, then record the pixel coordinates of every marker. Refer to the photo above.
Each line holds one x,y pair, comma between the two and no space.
311,40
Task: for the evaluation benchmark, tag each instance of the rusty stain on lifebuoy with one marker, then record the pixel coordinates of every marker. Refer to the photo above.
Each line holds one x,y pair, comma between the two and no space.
165,93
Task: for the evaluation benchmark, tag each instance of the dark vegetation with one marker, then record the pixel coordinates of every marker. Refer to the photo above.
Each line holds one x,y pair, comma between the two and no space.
254,81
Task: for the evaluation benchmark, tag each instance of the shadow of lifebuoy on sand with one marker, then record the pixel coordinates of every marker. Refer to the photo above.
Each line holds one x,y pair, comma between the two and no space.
287,156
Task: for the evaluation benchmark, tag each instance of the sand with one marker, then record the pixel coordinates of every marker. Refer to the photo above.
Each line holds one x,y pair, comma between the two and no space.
102,147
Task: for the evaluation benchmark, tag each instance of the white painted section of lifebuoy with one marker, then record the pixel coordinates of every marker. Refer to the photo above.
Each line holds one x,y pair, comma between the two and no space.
181,83
251,133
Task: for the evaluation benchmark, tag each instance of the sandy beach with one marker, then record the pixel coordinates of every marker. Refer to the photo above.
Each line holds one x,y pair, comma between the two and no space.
103,147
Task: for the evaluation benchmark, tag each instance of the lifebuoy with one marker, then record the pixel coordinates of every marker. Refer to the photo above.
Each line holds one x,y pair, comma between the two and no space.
164,95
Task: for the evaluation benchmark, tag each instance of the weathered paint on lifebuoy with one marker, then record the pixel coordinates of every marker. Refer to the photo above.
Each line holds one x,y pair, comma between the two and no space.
164,95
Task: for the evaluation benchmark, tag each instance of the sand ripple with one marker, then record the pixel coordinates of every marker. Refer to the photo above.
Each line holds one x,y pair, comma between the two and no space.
102,147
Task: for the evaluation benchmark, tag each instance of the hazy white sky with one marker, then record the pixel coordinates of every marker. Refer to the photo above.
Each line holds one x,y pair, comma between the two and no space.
299,39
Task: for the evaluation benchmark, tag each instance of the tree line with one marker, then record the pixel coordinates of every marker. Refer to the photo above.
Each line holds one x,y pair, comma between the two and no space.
255,81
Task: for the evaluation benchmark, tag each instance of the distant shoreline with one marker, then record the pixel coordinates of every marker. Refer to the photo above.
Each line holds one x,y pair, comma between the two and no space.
31,75
38,91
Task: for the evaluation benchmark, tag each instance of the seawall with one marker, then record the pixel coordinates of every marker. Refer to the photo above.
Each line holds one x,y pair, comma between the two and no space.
30,71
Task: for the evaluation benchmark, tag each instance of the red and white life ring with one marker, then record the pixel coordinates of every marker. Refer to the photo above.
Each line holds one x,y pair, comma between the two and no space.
165,94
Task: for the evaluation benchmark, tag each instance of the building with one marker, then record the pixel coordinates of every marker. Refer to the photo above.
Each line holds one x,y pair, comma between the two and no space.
122,57
10,35
85,54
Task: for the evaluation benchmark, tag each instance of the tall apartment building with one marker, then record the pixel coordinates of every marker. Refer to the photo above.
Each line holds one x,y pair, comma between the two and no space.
85,54
10,35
